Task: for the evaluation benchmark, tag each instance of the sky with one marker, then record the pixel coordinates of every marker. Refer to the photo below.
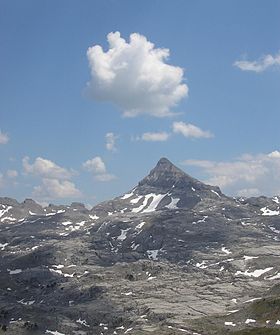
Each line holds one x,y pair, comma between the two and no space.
94,93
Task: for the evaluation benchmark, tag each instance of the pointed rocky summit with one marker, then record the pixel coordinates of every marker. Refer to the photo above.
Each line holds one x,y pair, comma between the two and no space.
166,175
165,187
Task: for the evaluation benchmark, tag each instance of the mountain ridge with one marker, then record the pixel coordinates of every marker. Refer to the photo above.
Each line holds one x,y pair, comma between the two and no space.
156,260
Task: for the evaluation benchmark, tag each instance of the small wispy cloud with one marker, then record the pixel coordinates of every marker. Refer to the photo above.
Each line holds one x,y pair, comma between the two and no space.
154,137
260,65
98,168
111,141
190,131
4,138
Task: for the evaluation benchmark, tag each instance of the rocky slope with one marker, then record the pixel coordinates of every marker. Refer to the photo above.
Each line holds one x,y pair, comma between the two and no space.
171,256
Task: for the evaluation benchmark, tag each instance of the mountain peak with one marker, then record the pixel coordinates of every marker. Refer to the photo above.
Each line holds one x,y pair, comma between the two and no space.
165,164
164,160
165,174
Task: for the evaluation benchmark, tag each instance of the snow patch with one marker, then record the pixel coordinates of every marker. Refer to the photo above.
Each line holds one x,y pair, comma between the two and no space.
153,254
8,218
251,300
14,272
136,200
50,214
134,246
250,321
3,246
66,223
173,203
226,251
267,212
256,273
123,235
276,231
144,204
5,210
94,217
201,265
82,322
27,303
277,276
59,266
140,225
127,195
63,274
55,332
202,220
276,200
31,213
247,258
217,194
153,205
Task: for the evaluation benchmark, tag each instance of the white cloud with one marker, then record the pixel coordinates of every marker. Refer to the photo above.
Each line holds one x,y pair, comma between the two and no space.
12,173
54,188
155,137
248,175
111,141
134,76
95,165
45,168
54,179
259,65
190,130
274,154
4,138
98,168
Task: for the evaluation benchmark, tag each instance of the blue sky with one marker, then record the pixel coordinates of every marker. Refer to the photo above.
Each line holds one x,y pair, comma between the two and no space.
57,105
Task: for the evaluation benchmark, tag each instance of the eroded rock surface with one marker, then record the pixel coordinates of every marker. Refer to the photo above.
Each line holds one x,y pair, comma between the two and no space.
171,256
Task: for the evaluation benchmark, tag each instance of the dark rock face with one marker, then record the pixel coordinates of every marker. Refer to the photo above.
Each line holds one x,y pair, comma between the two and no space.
166,176
172,255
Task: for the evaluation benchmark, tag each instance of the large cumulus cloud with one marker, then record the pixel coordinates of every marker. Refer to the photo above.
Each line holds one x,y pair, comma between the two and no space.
135,76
